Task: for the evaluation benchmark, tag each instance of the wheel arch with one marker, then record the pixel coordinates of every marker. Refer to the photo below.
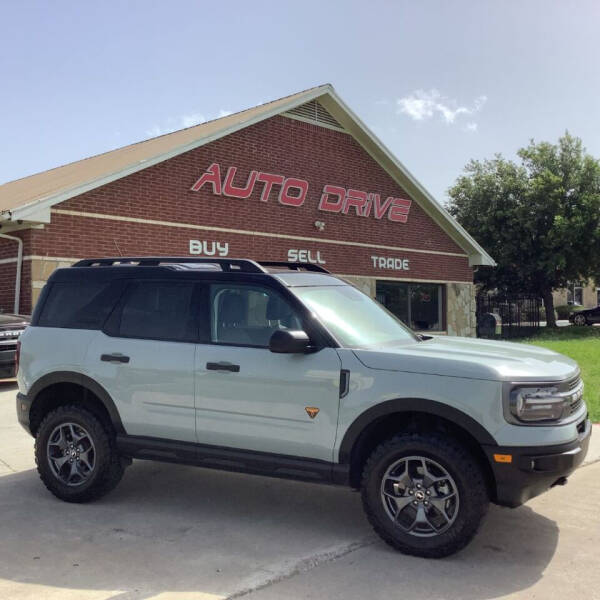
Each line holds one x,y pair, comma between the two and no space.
63,387
410,414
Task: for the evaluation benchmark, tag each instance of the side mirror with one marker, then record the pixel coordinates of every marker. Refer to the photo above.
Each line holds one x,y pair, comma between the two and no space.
289,341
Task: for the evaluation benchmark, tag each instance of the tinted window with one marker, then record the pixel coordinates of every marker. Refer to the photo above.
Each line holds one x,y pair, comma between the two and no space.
248,315
79,305
158,310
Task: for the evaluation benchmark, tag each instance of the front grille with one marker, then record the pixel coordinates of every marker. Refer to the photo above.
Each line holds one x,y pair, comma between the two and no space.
571,385
575,406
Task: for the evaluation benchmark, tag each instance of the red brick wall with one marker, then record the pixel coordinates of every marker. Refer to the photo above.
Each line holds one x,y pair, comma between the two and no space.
278,145
8,273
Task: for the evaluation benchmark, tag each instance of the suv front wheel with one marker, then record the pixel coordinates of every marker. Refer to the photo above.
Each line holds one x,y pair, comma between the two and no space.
75,455
424,494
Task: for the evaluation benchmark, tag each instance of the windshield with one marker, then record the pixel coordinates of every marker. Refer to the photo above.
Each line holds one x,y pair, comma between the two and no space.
353,318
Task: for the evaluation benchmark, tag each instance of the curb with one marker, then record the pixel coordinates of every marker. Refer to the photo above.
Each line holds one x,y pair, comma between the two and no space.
593,454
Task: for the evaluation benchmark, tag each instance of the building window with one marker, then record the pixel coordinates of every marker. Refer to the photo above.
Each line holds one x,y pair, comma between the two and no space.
419,305
575,293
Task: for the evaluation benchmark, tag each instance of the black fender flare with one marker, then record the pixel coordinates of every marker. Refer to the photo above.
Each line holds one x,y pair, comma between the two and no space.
406,405
84,381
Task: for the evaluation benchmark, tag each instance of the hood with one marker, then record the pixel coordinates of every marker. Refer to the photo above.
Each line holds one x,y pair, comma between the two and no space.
13,321
472,359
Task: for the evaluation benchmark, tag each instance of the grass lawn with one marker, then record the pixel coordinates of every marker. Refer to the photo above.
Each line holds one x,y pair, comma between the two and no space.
583,345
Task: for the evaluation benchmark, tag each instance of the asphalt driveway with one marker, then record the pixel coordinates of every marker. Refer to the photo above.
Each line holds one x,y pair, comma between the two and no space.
175,532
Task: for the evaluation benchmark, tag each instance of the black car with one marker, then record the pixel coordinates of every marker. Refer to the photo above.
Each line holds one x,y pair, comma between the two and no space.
11,327
585,317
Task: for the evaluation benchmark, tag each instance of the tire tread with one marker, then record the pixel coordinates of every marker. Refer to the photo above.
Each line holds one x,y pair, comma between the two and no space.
463,461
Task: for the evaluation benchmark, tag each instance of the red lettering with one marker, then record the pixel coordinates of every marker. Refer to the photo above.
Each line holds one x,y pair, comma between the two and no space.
399,210
236,192
269,180
368,206
380,209
212,176
293,192
357,199
284,194
332,206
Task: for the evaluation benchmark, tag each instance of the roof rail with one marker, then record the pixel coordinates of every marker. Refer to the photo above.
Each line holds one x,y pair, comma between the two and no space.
294,266
227,264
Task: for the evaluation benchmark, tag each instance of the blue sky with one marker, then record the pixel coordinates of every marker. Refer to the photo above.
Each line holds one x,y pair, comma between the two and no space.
439,82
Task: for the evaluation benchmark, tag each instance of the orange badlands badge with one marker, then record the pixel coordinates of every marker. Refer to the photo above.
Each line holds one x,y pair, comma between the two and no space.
312,411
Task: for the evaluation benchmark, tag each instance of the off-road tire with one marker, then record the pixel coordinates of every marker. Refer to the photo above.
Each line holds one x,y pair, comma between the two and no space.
108,469
458,462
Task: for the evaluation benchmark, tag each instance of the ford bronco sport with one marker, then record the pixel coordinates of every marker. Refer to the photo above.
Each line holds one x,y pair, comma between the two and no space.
282,369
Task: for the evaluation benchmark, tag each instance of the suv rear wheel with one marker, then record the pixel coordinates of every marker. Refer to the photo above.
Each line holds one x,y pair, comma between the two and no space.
424,494
75,455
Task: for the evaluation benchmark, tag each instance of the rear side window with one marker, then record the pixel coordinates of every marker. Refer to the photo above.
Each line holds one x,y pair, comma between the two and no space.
79,305
158,310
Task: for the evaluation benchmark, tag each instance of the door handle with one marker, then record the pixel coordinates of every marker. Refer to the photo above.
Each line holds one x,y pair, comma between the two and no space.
114,358
222,366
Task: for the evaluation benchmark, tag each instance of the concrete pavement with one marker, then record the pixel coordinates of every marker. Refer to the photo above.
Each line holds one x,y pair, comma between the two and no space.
175,532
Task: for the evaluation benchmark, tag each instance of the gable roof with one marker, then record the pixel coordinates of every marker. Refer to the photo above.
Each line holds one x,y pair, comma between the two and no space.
29,199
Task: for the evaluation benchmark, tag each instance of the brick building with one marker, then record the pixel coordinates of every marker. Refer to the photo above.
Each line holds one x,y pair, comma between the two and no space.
300,178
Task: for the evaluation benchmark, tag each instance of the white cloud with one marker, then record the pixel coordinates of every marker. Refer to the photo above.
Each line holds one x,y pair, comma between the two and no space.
223,113
192,119
175,123
421,105
471,127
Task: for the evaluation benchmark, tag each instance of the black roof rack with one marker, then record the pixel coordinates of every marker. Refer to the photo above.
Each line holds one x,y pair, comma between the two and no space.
294,266
227,264
244,265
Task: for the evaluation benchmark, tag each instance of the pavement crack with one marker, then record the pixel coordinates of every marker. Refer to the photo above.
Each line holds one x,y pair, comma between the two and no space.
302,566
8,466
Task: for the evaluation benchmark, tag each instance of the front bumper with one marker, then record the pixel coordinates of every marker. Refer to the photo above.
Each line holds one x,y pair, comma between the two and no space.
7,363
23,408
534,470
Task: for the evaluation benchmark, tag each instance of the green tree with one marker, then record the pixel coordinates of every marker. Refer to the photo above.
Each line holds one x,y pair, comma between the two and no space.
540,219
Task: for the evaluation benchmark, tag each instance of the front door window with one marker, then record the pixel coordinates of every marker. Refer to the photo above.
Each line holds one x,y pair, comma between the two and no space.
247,315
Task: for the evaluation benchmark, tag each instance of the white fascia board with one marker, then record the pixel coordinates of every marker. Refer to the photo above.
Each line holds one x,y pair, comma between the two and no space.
47,202
343,114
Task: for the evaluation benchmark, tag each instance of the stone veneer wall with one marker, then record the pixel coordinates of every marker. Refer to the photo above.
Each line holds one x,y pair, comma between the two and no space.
41,269
461,307
364,284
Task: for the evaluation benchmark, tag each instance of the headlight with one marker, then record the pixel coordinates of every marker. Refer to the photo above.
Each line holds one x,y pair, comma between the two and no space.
544,403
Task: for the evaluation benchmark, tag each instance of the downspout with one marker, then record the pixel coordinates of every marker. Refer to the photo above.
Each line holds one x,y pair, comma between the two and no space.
19,267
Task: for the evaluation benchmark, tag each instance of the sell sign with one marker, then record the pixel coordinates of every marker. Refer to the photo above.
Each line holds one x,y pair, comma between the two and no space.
293,191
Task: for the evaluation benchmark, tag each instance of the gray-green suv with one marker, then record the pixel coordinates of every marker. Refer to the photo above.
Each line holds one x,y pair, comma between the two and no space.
281,369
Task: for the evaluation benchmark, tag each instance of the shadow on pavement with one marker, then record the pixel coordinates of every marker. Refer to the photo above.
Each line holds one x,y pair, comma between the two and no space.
170,528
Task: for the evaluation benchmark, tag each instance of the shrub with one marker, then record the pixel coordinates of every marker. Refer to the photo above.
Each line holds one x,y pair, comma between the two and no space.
564,311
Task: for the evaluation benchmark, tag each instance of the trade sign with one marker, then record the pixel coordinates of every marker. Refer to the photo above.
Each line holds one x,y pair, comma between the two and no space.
293,191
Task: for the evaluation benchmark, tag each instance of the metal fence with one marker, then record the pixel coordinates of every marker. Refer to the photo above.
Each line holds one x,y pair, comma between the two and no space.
507,316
